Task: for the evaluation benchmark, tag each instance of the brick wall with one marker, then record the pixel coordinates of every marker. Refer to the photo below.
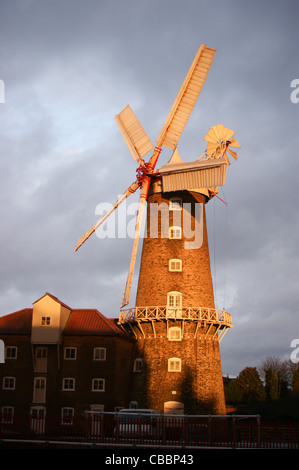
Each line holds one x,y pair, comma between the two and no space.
199,384
155,280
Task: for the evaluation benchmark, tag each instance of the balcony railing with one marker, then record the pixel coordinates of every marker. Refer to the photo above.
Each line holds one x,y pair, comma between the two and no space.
205,315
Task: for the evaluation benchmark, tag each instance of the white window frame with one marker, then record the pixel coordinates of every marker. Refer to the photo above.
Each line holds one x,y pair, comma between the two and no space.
133,405
174,333
174,364
46,321
11,352
9,383
174,304
175,204
66,384
175,232
70,351
95,385
7,414
67,415
39,390
41,359
99,354
38,419
137,365
175,265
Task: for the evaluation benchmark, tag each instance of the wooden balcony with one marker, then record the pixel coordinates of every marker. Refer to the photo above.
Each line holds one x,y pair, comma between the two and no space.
205,316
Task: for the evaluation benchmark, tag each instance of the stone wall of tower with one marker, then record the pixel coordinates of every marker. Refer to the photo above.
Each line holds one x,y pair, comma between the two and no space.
198,385
155,279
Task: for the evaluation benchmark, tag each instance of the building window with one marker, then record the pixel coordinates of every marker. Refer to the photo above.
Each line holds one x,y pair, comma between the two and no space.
11,352
175,333
174,364
67,415
39,390
174,304
41,359
99,354
9,383
133,405
38,419
175,232
175,204
175,265
68,384
98,385
7,414
70,353
46,321
137,365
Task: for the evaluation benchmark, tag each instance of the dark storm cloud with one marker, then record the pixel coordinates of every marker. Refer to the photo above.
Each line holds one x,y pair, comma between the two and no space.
68,68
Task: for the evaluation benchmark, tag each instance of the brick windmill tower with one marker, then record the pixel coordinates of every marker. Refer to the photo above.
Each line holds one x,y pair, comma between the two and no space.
177,365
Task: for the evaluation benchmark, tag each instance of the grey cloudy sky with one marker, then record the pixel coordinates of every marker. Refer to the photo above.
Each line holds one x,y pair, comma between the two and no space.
69,66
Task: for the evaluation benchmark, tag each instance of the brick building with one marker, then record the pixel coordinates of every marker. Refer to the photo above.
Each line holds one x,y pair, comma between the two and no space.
61,361
175,322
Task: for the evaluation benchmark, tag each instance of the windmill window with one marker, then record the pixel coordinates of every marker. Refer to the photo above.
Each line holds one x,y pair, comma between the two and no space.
174,299
175,265
174,333
174,304
137,365
174,364
175,204
175,232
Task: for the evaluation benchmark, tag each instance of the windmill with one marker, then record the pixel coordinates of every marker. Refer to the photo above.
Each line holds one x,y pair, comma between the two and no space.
207,171
174,321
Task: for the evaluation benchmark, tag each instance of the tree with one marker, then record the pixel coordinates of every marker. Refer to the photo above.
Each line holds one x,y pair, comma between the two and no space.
275,375
293,369
251,385
233,393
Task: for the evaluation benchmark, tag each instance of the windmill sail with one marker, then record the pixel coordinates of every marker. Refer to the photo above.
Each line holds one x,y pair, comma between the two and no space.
135,136
186,98
131,189
142,199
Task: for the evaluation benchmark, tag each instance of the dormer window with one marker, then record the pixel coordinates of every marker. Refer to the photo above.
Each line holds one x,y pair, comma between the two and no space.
46,321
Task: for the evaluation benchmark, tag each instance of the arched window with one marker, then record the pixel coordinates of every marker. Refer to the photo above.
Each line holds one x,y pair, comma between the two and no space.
174,304
174,333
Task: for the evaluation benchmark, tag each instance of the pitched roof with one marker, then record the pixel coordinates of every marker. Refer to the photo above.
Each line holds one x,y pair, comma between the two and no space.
81,322
90,322
54,298
18,323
